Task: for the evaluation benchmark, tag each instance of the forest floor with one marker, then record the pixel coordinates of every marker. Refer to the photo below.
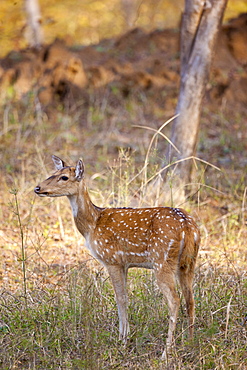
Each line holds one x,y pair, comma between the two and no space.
105,103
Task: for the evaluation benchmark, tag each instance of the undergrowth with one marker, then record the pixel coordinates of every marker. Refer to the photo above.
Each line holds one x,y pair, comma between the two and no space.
57,307
76,327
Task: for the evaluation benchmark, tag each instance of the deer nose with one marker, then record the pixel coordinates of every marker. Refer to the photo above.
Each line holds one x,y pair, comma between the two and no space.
37,189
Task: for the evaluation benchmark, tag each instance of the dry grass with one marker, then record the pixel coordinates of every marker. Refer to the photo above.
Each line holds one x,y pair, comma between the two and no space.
57,308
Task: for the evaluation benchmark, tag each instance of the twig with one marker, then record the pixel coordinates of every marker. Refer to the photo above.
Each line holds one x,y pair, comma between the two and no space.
23,251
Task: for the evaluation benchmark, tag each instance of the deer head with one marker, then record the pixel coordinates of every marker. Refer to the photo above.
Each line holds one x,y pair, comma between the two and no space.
64,182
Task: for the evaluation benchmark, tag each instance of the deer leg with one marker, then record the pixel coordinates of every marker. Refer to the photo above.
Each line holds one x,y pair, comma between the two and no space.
118,275
166,282
186,283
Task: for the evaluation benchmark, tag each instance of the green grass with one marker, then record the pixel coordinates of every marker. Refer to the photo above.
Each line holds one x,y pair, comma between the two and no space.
77,326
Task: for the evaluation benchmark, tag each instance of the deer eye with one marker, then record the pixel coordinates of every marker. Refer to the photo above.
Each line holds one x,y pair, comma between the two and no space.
64,178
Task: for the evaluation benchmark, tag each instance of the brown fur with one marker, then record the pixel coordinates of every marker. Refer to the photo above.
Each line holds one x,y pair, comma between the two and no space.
162,238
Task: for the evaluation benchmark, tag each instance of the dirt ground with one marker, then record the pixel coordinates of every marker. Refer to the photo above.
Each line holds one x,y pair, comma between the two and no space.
134,61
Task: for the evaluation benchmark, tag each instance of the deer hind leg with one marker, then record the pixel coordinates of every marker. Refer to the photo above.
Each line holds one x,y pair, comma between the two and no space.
118,275
186,282
166,282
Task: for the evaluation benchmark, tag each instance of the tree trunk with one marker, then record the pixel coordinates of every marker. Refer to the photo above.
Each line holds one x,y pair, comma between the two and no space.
34,33
129,8
200,25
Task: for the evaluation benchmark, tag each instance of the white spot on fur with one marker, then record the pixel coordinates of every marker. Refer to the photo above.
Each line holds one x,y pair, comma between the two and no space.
195,237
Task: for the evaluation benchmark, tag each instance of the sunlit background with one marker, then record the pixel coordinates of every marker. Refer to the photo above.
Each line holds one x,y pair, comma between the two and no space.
87,22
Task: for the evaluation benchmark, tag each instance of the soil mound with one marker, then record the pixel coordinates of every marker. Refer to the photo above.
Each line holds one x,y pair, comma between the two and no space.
135,61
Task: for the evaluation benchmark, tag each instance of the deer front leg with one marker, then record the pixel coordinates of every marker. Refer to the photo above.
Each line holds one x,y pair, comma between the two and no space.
118,275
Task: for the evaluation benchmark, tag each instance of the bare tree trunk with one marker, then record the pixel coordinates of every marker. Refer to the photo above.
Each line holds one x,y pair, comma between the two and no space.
200,25
130,12
34,33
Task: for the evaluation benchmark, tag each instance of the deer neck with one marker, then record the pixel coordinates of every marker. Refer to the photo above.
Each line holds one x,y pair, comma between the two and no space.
84,211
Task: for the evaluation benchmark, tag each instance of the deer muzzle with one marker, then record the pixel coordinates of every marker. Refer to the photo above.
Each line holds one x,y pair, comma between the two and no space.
38,191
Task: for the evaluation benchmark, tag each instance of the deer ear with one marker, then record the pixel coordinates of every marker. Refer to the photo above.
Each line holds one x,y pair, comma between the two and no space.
79,170
59,164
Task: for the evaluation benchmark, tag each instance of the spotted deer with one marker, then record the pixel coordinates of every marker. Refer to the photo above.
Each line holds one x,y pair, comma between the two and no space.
162,238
